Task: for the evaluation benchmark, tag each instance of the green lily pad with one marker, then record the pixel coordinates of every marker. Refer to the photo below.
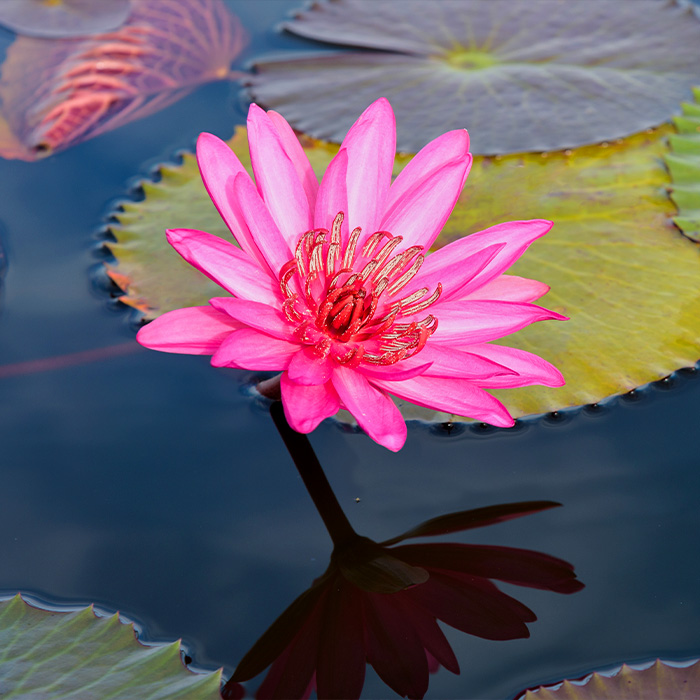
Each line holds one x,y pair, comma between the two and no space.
521,75
661,679
684,165
617,264
76,655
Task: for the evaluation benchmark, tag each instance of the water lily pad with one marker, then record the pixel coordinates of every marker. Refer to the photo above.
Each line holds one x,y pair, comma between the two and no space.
61,655
617,264
55,93
662,679
684,165
63,18
521,75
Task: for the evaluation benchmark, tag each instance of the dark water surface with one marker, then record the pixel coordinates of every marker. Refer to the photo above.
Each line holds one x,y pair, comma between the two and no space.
153,484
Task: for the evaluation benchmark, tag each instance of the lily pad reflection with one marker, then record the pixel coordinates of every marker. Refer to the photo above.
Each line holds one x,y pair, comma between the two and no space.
63,18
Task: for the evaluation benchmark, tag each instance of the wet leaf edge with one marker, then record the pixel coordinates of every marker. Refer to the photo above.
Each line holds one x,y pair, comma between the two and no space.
568,689
683,163
25,615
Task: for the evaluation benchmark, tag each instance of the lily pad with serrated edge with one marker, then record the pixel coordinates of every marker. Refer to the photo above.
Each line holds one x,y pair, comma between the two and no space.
61,655
684,165
521,75
660,680
617,265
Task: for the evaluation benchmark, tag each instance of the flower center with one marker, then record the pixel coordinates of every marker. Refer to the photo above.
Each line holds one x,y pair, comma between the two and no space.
344,299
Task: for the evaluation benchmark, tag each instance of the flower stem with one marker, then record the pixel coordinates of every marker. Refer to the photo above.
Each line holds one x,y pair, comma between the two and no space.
314,479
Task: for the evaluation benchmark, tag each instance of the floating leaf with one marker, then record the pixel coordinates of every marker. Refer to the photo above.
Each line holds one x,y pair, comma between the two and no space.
59,655
63,18
684,165
56,93
662,679
521,75
616,263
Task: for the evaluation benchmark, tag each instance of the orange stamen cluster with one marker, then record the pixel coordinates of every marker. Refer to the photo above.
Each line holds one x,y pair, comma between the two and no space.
343,300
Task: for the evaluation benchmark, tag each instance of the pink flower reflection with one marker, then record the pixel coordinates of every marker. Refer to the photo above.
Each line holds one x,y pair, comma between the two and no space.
333,284
379,604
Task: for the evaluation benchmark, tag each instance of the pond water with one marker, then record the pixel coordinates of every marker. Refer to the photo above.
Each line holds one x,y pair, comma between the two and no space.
155,485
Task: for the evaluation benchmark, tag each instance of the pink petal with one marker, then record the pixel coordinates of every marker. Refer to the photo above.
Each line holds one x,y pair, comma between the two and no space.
277,178
256,315
226,264
431,157
374,411
332,194
517,235
530,368
458,396
306,406
371,147
396,372
423,196
197,330
219,165
309,369
454,275
272,244
465,322
252,349
510,288
448,361
298,156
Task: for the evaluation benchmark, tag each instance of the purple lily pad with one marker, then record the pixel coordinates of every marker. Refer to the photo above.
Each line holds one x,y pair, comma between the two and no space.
55,93
521,75
63,18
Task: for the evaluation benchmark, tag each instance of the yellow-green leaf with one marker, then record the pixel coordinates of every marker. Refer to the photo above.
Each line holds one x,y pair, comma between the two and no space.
684,166
78,656
617,264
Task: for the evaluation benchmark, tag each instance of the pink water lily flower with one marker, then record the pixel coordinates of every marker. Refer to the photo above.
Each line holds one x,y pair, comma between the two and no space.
333,286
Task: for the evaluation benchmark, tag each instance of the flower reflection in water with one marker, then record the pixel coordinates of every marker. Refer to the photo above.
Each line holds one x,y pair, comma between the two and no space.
379,603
